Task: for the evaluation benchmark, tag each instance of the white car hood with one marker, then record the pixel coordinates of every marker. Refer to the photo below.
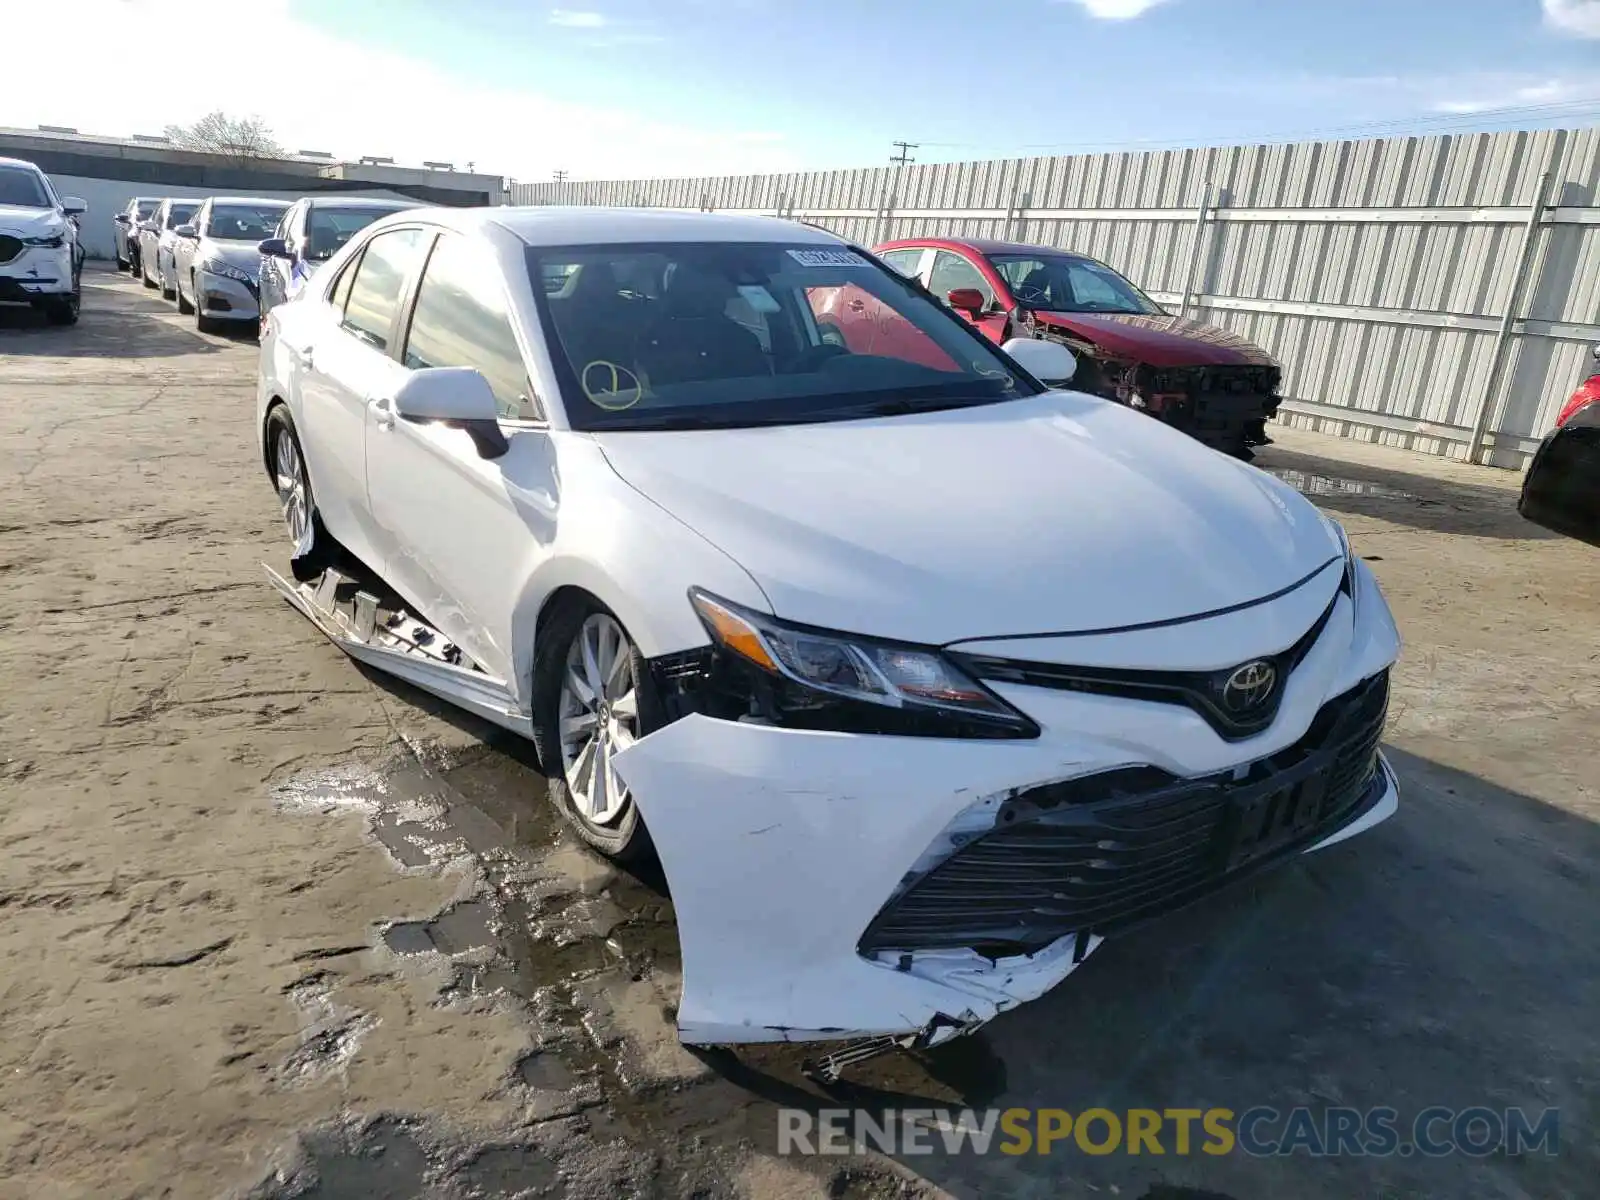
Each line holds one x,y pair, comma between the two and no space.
32,222
1058,514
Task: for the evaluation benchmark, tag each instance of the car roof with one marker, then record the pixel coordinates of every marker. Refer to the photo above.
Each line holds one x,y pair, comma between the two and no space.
550,225
247,200
982,246
382,202
19,162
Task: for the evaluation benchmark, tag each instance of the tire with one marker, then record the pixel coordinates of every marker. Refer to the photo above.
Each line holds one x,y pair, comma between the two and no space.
144,273
206,324
311,548
184,307
617,831
122,263
63,310
167,293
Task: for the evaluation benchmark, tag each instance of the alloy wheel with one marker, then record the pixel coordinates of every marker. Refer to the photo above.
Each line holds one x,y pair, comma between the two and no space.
598,716
291,482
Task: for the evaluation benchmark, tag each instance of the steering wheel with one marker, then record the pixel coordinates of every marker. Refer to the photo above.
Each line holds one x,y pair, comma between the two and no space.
1029,294
815,356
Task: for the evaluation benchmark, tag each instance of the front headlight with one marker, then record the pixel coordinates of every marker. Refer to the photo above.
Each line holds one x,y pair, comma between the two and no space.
53,242
226,270
820,679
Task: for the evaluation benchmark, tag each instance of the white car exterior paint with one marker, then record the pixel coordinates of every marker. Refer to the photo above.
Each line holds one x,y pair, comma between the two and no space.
41,271
206,268
1053,529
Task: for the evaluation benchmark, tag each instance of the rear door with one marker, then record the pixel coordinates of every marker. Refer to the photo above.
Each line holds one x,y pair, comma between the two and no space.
344,347
460,532
952,271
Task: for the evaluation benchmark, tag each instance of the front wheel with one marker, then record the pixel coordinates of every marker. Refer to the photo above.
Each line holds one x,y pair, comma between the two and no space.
593,699
184,307
311,548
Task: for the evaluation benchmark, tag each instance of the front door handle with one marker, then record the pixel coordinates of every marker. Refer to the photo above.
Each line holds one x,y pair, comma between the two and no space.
306,354
382,412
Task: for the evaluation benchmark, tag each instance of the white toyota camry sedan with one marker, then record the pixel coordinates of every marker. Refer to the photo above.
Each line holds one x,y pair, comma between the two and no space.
919,677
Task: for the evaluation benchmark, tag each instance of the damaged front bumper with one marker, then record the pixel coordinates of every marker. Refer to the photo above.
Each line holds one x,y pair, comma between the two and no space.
844,886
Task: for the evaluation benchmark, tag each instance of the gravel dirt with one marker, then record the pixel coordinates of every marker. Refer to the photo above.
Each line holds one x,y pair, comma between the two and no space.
272,925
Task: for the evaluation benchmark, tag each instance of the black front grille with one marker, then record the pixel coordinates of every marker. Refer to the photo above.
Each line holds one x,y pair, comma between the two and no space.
10,247
1099,854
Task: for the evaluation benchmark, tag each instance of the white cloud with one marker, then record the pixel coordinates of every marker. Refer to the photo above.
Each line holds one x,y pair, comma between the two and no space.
388,104
1117,10
1510,93
573,19
1578,17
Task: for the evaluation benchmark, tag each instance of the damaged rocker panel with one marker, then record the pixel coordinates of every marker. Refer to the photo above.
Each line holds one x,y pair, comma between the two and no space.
400,644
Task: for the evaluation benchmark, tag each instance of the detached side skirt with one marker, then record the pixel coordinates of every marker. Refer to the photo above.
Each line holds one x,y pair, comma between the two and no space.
401,645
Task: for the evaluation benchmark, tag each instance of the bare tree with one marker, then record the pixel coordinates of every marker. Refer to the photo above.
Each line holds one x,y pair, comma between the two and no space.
239,138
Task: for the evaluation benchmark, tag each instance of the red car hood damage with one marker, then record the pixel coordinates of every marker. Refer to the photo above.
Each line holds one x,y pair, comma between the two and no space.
1161,341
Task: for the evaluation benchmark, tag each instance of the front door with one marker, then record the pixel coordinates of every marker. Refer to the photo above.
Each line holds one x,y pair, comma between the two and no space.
460,532
345,348
952,271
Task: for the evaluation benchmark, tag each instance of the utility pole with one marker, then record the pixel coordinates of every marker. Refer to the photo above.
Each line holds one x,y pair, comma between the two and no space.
559,176
904,156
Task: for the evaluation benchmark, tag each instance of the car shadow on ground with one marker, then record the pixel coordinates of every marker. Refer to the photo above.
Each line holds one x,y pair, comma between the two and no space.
1418,501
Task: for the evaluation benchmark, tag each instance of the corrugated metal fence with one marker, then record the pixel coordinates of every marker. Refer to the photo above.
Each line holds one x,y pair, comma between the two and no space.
1440,293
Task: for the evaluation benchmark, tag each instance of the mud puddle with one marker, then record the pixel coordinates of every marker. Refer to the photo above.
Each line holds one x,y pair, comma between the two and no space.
587,955
1310,484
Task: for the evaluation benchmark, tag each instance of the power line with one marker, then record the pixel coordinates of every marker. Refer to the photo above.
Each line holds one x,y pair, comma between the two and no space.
1463,122
904,156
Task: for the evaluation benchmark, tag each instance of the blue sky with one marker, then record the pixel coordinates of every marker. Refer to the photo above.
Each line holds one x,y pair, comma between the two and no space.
617,88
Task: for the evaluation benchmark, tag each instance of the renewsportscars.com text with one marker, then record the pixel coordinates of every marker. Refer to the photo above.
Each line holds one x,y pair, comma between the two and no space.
1262,1131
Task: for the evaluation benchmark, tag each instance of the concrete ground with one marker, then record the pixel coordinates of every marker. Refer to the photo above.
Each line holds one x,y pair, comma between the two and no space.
273,926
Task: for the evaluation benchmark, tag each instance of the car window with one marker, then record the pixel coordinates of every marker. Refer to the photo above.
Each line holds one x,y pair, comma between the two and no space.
331,227
180,212
23,187
146,207
679,334
1064,283
340,292
241,222
460,320
374,295
952,271
904,261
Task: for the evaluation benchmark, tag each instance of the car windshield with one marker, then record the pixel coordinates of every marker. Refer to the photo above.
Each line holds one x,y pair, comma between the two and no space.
179,214
1066,283
146,207
687,334
330,228
244,222
22,188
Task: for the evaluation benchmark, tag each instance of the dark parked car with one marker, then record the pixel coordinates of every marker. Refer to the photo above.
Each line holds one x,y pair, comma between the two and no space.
1209,382
125,231
310,233
1562,488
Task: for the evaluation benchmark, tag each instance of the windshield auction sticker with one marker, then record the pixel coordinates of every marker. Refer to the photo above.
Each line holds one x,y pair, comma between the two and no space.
826,258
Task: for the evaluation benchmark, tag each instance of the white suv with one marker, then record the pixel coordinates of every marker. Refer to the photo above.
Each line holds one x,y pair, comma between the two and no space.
39,256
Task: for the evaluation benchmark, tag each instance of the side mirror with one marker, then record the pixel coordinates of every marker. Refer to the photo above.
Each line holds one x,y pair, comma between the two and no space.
967,300
74,206
274,247
1048,362
457,397
186,231
122,218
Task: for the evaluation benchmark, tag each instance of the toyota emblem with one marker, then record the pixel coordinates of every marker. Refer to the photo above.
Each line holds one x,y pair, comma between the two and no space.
1249,686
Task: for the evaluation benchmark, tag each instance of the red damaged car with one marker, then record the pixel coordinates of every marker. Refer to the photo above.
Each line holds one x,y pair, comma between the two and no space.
1212,384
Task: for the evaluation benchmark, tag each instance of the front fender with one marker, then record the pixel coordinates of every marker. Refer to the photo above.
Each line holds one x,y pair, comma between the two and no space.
630,554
